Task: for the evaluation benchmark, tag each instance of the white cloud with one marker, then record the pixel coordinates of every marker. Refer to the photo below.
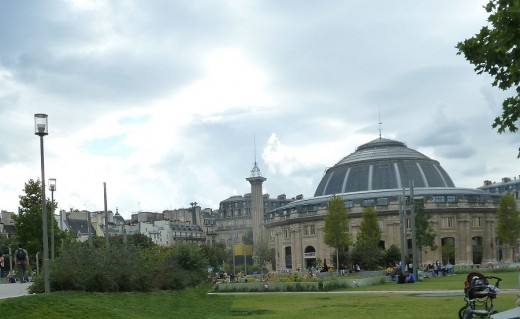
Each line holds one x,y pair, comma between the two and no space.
161,100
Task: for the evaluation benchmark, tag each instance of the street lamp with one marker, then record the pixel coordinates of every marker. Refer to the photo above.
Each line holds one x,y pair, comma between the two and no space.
41,129
52,188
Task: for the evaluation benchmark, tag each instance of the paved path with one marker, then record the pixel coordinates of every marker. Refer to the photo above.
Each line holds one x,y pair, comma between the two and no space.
13,290
432,293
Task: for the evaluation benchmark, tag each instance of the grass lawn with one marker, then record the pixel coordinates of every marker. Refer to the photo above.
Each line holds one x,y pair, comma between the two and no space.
196,303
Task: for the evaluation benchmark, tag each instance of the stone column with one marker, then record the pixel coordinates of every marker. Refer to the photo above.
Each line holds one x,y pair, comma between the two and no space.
257,209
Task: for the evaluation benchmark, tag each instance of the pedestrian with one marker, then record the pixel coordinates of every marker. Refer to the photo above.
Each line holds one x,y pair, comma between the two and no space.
21,258
1,265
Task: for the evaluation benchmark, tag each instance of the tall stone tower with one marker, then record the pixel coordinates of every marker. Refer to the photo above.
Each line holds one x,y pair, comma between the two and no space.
257,205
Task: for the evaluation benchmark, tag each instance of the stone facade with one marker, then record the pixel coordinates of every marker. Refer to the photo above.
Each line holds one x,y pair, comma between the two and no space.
379,174
297,237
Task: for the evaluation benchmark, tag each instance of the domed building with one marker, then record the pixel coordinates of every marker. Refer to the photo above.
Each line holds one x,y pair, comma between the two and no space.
377,175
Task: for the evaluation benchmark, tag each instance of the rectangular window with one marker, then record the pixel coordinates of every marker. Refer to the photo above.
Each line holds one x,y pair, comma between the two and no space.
477,222
382,201
473,199
450,198
313,230
349,203
368,202
447,222
381,224
439,199
286,233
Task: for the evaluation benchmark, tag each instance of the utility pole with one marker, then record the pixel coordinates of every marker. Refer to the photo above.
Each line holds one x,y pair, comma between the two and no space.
402,232
415,253
107,240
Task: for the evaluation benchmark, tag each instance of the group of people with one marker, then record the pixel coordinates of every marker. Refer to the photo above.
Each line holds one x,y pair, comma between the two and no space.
438,269
343,269
397,274
21,259
407,275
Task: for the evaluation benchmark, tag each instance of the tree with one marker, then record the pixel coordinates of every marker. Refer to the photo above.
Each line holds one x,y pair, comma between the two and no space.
392,254
264,255
508,221
215,253
367,240
336,225
28,222
424,233
247,238
496,50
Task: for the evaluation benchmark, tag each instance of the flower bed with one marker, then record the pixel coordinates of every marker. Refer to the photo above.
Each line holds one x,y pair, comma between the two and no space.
284,285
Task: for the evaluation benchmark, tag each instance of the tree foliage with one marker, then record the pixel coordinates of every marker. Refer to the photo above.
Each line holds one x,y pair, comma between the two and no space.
215,253
336,225
367,239
424,233
392,255
28,222
263,254
508,221
496,50
247,238
139,240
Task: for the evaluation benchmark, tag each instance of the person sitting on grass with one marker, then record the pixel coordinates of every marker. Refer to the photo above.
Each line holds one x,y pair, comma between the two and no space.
410,278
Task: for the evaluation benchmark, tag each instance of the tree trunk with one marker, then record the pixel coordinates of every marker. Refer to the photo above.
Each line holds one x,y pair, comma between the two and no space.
337,260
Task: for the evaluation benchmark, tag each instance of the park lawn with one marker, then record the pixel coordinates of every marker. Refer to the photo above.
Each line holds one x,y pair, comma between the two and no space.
360,306
510,280
197,303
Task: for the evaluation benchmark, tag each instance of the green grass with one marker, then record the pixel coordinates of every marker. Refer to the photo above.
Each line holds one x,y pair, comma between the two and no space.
453,282
196,303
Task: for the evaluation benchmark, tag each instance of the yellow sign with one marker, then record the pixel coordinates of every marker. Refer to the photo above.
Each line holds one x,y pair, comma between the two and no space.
241,249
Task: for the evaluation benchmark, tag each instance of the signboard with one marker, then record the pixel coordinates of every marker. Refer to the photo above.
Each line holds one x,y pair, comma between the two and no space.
241,249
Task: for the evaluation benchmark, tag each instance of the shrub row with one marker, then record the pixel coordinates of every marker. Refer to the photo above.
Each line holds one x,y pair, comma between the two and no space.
125,268
321,285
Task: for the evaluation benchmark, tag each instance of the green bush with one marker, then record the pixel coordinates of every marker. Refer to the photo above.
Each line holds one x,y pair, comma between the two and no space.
125,268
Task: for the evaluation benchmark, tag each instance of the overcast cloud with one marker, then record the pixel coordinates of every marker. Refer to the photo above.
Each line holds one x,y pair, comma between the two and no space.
164,100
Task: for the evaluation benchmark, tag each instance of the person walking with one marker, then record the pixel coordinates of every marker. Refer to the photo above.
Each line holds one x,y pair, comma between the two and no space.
21,258
1,266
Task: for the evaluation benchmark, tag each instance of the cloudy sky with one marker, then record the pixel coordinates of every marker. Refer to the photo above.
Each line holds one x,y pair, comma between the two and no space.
165,100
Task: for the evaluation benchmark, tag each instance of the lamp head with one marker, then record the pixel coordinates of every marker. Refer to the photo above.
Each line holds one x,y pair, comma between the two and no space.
40,124
52,184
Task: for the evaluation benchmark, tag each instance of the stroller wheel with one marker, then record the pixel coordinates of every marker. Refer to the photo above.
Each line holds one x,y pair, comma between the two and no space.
465,313
461,312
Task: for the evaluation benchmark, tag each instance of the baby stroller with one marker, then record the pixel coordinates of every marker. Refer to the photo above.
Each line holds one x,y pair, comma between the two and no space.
479,295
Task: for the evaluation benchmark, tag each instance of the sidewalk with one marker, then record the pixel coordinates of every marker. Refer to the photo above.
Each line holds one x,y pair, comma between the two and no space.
13,290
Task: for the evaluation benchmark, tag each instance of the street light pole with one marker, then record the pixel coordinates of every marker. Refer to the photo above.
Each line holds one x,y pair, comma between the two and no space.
41,129
52,188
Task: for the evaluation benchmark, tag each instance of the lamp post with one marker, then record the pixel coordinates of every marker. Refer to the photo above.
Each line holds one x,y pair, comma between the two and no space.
41,129
52,188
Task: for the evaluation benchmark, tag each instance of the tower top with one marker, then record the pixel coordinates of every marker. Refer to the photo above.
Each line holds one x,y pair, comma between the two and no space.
255,172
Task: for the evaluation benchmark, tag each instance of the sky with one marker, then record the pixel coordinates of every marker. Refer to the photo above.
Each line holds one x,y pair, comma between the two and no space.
172,102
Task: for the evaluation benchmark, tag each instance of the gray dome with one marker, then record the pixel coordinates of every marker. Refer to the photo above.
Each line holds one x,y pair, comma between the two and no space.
382,164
